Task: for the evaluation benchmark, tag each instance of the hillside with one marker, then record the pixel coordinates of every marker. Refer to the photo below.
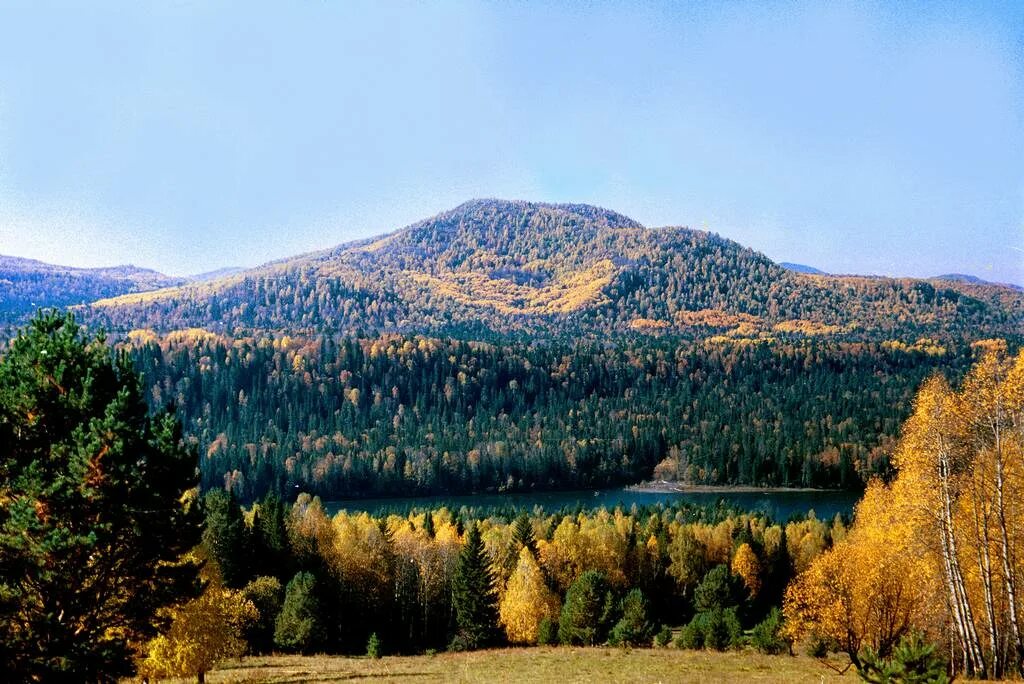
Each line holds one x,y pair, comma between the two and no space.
27,284
491,266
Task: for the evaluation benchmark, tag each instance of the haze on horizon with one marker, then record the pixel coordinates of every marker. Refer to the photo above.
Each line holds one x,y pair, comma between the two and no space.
853,137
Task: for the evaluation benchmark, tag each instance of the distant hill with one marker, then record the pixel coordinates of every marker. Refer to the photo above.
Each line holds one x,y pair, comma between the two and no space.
214,275
28,284
975,280
501,267
801,268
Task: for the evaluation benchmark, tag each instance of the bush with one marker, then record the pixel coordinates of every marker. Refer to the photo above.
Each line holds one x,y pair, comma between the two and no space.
767,637
547,632
817,647
690,636
663,636
373,646
913,661
716,629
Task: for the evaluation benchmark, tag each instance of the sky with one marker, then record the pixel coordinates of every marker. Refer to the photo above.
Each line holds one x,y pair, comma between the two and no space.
875,138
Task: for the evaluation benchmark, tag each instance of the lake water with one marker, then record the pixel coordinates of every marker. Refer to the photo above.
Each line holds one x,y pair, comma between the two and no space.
779,504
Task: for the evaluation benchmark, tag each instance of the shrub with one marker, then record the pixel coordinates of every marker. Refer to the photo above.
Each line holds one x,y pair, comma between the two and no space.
547,632
373,646
767,637
913,661
663,637
716,629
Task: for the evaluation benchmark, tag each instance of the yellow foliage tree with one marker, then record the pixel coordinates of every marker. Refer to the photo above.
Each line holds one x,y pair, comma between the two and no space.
747,565
874,586
527,600
203,631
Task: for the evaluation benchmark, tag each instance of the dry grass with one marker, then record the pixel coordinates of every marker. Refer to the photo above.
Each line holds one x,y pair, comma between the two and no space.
561,665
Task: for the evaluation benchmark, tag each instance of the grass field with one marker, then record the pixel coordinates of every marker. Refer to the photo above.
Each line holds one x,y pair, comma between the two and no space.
562,665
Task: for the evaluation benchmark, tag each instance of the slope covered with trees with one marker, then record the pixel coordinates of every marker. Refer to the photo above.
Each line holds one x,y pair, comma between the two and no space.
393,415
495,267
27,285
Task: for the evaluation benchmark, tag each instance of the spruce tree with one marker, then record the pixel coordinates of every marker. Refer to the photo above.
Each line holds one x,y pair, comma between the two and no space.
300,625
227,539
92,520
473,596
587,610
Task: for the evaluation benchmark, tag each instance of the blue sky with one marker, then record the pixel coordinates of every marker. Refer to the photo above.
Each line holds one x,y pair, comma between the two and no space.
857,137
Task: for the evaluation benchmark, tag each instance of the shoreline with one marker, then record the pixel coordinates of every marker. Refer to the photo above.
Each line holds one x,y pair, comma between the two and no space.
664,486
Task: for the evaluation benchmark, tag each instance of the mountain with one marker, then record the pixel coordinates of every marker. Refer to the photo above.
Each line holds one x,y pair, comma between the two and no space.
801,268
494,267
517,346
27,284
215,274
974,280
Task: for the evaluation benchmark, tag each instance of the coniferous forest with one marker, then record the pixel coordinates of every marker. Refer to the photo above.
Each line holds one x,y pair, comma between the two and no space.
398,415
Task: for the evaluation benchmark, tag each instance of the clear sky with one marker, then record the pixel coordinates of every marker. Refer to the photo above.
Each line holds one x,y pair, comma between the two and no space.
184,136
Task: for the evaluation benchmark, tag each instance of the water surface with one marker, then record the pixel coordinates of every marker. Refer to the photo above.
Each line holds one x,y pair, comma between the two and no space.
780,504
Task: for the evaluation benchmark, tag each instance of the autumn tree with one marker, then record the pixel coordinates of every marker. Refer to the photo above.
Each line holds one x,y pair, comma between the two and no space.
95,510
203,632
872,588
527,601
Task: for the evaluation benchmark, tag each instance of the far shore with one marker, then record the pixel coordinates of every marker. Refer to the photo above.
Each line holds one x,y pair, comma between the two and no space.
661,486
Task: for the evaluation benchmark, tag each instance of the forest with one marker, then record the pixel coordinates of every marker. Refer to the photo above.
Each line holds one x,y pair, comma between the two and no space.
398,415
924,583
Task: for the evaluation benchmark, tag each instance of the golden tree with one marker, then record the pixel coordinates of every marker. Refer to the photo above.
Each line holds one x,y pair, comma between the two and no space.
203,632
527,600
747,565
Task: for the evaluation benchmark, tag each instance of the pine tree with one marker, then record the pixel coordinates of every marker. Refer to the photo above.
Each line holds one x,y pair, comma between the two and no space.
300,625
270,538
474,596
227,539
92,519
586,612
634,628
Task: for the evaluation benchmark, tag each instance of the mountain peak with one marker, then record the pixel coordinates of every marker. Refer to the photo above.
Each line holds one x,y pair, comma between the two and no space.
598,215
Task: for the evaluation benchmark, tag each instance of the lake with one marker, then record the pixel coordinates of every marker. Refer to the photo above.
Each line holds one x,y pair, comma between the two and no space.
780,504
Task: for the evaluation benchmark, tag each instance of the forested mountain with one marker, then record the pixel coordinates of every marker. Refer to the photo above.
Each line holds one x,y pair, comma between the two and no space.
496,267
510,345
27,284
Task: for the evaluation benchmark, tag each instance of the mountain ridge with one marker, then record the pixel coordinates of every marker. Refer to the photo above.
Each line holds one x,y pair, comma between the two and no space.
500,267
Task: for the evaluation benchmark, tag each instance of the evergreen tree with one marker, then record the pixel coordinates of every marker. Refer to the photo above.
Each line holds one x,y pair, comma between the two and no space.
300,626
634,628
92,524
270,538
522,534
474,596
226,537
586,611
